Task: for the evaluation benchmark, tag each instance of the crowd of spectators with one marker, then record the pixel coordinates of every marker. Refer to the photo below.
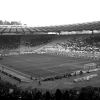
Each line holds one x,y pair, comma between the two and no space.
82,44
87,47
12,92
8,42
78,46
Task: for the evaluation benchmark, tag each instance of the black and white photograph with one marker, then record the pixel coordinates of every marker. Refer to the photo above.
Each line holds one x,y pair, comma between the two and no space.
50,49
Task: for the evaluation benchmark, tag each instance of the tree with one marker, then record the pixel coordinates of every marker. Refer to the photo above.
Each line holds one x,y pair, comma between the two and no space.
38,96
47,96
58,95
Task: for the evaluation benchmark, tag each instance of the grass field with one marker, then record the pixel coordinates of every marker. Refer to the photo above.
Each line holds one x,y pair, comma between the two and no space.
42,65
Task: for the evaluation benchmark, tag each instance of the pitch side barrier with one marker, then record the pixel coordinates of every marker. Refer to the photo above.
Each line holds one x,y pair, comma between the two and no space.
21,77
68,75
85,78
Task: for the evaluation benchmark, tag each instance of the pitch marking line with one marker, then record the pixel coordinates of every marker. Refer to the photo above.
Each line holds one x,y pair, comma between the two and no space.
50,71
61,65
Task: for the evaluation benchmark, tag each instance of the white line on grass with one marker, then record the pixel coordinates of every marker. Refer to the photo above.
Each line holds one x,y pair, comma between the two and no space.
51,71
61,65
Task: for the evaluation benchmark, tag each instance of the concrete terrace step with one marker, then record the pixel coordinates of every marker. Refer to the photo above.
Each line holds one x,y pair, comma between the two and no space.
13,73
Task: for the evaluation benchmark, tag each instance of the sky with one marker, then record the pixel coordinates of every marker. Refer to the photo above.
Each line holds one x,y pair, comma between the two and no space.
50,12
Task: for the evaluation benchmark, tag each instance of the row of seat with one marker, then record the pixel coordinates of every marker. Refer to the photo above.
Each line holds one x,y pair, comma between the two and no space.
13,74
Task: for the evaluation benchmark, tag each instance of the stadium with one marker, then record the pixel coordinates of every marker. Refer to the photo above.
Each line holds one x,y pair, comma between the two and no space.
50,57
49,50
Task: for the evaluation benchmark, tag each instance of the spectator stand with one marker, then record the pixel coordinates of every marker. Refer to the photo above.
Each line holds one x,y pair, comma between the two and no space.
14,74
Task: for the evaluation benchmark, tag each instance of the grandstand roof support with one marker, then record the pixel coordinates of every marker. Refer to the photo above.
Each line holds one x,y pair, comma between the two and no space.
30,31
10,30
93,52
23,31
92,32
2,31
59,32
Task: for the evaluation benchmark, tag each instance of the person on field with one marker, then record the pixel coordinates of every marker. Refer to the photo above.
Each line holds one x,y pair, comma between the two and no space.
39,82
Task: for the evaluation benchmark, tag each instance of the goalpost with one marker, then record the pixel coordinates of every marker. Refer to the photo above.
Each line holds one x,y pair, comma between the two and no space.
90,66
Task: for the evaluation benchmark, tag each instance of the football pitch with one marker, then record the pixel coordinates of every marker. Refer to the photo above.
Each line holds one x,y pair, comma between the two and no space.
43,65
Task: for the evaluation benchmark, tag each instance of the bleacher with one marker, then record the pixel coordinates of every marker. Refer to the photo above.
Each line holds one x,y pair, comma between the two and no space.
21,77
74,47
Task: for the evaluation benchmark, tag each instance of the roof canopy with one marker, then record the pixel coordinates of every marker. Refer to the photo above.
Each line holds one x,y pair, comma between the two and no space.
73,27
61,28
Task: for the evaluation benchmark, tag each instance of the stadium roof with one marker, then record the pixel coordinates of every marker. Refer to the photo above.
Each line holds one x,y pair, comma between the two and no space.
75,27
18,29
